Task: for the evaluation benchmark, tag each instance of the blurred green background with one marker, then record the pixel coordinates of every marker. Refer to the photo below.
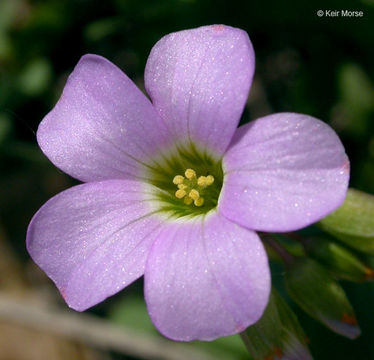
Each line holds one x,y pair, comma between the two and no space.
304,63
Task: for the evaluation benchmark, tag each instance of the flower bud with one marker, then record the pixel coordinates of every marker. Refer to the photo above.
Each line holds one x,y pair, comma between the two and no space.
353,222
277,335
341,262
317,293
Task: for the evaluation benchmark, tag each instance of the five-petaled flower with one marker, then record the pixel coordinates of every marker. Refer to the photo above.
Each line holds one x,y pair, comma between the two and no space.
173,190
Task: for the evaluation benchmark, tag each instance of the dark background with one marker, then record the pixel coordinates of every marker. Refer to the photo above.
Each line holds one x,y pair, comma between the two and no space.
321,66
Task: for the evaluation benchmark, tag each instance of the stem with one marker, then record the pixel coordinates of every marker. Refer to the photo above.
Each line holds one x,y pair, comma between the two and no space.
295,236
305,243
89,329
245,338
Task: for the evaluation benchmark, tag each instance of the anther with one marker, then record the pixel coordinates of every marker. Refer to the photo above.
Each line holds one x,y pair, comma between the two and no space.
178,179
180,194
202,181
187,189
199,201
190,174
194,194
209,180
187,200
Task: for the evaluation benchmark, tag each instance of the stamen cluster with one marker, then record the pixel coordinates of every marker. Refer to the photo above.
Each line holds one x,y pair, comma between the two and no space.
191,188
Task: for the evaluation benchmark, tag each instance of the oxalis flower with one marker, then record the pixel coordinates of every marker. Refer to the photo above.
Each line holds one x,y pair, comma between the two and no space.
173,190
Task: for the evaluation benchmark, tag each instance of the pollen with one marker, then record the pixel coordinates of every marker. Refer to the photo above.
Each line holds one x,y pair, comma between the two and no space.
178,179
190,174
199,202
194,194
202,181
180,194
193,189
187,200
209,180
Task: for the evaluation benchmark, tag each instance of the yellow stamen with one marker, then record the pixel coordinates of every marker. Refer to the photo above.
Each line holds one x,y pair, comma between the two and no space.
178,179
190,188
199,201
209,180
202,181
190,174
187,200
194,194
180,194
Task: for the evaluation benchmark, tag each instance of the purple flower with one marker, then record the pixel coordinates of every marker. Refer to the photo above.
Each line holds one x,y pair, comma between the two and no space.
173,190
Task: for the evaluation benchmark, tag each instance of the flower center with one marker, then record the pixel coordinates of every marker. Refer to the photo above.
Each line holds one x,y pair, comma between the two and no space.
192,188
196,192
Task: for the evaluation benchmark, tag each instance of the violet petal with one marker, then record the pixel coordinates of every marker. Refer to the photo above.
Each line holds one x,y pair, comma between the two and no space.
96,130
199,80
206,278
92,240
283,172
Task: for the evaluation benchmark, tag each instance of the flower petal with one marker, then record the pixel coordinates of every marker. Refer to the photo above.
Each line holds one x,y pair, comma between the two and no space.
283,172
93,239
96,130
199,81
206,278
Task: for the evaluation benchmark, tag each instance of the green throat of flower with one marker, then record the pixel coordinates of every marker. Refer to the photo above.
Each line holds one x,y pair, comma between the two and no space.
188,182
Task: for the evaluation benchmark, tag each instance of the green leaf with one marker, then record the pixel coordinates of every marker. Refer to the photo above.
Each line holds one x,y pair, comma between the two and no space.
6,46
356,89
277,335
342,262
353,222
353,112
100,29
9,9
36,77
317,293
5,126
132,312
